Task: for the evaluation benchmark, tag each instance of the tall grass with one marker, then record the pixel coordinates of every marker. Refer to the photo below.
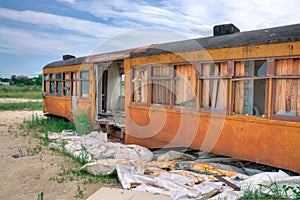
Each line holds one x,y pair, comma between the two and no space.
22,106
29,92
44,125
82,122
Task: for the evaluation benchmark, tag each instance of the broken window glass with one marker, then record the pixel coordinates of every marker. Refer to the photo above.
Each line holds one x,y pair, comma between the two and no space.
250,87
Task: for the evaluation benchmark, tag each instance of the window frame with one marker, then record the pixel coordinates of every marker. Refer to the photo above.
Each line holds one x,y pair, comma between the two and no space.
79,84
201,79
193,108
132,86
245,78
275,77
169,78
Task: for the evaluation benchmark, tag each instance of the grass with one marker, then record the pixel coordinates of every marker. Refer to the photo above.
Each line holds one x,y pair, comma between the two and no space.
272,191
37,125
28,92
82,122
44,125
22,106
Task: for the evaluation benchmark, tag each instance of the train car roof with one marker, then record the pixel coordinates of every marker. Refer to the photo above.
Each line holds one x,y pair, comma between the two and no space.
104,57
261,36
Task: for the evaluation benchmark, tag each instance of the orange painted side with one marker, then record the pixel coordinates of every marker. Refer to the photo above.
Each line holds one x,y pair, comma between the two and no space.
259,140
61,106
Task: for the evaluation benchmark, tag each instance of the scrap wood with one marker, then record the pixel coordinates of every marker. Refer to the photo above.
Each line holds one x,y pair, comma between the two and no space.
212,193
235,187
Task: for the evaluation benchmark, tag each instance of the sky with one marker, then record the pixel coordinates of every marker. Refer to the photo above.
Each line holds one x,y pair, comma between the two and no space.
34,33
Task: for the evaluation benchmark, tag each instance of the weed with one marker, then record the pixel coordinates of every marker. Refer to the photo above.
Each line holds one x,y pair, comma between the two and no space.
20,151
34,151
206,171
82,123
44,125
22,106
79,192
41,196
272,191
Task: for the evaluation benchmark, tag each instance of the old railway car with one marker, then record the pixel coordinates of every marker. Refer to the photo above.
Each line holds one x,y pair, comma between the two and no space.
234,93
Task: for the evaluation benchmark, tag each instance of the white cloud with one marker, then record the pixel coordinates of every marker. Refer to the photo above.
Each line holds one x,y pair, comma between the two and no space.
196,17
57,22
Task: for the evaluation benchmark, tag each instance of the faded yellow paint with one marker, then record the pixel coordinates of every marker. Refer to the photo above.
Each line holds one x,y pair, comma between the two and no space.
231,53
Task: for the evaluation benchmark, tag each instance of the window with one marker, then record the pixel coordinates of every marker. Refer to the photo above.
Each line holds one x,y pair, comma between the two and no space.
214,86
58,77
122,85
46,83
52,84
250,87
185,86
139,85
84,84
160,84
66,84
287,88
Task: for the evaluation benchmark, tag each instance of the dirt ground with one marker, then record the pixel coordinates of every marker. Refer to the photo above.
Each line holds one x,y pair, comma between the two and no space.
28,176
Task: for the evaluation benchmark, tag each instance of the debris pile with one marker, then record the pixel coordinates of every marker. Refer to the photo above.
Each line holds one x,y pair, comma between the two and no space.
173,173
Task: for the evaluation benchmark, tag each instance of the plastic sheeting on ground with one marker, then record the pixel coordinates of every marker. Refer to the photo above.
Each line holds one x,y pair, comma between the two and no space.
97,146
169,174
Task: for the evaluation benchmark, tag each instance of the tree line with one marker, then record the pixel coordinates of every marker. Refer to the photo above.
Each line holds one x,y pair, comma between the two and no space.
19,81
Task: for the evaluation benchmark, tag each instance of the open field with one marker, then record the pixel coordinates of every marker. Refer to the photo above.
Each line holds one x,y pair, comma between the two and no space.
22,106
29,92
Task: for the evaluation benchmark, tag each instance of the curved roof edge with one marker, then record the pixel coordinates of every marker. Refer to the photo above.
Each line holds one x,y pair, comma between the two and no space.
261,36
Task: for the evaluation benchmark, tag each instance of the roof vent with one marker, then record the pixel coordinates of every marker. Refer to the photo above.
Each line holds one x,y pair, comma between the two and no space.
67,57
225,29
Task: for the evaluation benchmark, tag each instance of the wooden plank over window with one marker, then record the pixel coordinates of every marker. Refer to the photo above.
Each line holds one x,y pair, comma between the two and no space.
185,85
287,87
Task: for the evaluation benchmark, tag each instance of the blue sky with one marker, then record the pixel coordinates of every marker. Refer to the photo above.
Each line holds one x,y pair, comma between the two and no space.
36,32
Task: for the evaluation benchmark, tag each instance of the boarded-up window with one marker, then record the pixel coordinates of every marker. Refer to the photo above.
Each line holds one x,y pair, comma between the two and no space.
185,85
160,84
84,84
249,87
214,85
140,85
287,87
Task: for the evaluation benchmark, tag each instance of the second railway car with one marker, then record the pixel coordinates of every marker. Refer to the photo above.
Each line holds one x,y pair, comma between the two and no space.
234,93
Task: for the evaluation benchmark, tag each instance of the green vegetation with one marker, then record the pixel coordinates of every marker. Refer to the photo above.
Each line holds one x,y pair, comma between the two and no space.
273,191
41,196
82,123
44,125
29,92
37,125
23,80
79,193
22,106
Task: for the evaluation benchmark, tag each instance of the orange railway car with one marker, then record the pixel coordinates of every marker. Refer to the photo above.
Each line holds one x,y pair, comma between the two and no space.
234,93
